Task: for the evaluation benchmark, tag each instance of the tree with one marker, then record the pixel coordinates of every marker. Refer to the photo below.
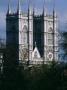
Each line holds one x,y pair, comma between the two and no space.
64,43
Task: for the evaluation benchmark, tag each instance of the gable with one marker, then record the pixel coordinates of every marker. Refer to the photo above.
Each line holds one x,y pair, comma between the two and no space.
36,53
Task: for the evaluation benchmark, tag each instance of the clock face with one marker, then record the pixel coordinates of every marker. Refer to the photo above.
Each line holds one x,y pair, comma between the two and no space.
50,55
50,30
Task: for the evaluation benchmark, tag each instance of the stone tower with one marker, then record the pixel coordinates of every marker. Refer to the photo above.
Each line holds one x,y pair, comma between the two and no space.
19,34
50,37
23,30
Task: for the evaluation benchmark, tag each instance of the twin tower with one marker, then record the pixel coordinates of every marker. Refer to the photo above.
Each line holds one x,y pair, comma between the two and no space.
30,38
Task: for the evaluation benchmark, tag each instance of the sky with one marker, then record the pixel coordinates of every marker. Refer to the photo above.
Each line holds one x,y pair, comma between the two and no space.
60,8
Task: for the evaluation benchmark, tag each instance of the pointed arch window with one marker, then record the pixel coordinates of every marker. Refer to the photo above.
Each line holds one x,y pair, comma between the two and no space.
25,35
50,33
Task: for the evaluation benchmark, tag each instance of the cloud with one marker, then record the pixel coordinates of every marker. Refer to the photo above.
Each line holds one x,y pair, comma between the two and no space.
2,25
2,20
48,0
38,11
62,17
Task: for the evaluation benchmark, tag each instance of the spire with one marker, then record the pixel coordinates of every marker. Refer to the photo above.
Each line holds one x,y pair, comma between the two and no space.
44,5
33,12
29,4
35,44
8,11
33,9
44,8
19,7
30,10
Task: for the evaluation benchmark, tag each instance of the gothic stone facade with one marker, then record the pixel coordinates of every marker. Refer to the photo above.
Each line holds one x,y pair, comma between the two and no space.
31,38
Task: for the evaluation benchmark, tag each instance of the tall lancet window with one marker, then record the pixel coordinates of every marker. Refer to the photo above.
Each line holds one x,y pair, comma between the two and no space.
25,35
50,36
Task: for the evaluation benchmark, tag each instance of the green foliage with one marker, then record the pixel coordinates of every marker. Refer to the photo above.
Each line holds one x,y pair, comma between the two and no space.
41,77
64,44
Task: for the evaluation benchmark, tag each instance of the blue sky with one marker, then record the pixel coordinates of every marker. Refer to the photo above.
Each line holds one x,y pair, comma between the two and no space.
60,7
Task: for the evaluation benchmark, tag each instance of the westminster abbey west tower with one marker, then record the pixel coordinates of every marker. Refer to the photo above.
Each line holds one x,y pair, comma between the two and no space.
31,38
